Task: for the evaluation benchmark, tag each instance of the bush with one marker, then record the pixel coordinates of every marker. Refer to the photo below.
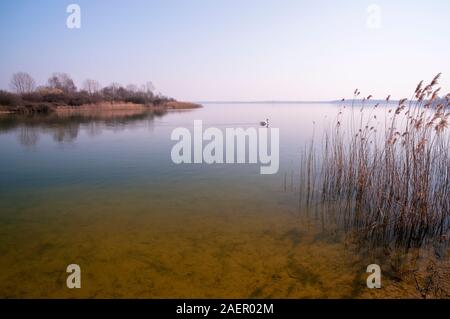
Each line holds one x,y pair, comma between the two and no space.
137,99
82,98
34,97
55,98
9,99
33,108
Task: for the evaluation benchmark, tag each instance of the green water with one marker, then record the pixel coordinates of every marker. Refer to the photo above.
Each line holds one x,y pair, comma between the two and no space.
103,193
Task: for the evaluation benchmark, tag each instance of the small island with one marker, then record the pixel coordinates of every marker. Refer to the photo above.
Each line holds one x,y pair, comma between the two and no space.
61,95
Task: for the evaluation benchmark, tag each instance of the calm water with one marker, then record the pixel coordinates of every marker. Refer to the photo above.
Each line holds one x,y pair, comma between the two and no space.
102,192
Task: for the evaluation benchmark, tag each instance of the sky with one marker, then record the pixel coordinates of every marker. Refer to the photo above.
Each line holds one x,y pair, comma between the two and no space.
233,50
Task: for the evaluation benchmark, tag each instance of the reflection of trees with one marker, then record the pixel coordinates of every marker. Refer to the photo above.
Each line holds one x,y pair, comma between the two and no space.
28,136
93,129
64,128
67,133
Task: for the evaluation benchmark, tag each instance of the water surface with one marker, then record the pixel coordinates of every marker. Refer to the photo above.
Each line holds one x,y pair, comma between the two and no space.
102,192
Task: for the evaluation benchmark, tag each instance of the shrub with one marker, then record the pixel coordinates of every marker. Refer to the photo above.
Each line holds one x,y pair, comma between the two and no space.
34,97
9,99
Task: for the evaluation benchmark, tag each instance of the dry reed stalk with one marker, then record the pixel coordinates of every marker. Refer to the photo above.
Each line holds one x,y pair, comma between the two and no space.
390,184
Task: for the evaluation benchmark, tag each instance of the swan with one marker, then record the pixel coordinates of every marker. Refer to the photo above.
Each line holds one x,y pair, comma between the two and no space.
266,123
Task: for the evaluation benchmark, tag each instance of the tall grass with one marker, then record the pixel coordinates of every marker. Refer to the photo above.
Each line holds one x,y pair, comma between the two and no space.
383,169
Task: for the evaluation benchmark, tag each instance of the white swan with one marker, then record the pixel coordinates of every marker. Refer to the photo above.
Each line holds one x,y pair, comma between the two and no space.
266,123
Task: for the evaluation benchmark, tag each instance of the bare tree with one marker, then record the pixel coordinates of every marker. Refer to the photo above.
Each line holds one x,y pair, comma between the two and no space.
148,88
22,83
62,81
115,87
91,86
132,88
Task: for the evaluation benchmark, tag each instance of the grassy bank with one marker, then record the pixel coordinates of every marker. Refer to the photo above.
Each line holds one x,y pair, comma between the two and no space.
176,105
46,108
123,106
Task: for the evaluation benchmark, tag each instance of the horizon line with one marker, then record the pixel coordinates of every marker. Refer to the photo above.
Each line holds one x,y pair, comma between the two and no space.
288,101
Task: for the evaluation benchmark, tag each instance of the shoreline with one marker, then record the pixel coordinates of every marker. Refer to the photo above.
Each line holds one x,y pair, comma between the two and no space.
100,107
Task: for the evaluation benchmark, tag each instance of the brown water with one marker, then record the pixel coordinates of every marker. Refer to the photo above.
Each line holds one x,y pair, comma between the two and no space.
102,192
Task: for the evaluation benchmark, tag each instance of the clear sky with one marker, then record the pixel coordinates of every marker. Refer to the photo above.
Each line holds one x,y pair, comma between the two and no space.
232,49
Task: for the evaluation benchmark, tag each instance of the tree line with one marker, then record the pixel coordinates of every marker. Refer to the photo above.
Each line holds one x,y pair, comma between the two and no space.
60,90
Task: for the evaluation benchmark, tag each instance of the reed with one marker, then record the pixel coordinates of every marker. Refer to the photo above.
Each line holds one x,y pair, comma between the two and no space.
382,170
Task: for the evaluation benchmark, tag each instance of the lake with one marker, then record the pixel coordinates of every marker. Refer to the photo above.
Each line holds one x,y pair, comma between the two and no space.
101,191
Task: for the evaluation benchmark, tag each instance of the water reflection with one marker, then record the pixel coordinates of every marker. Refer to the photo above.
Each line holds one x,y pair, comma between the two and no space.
65,127
28,136
141,226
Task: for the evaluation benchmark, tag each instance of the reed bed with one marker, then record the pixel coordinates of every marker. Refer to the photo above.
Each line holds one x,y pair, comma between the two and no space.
382,170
